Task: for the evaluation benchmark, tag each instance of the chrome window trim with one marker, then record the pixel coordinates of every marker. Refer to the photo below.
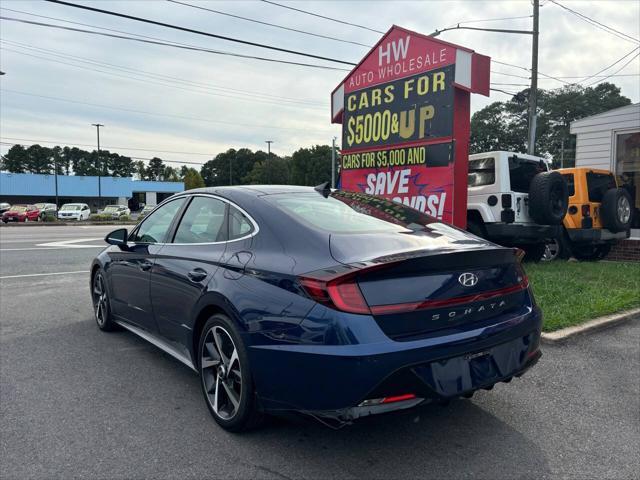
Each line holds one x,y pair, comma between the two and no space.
256,227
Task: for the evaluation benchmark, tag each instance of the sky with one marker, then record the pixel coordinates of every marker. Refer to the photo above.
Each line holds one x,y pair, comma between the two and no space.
187,106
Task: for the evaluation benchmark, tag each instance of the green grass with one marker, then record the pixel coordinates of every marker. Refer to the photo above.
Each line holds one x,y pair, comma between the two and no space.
570,293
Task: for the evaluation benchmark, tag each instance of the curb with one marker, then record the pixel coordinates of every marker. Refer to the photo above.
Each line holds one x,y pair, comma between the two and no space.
591,326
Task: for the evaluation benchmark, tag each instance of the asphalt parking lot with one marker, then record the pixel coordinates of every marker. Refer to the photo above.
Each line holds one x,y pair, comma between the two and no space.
77,402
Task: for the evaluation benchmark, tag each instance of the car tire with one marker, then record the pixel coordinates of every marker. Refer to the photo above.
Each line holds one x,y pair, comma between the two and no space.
548,198
535,252
476,229
225,376
102,303
616,210
592,252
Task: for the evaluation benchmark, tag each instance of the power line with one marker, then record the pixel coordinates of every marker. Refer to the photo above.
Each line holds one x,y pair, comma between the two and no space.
610,66
175,45
269,24
620,69
162,82
503,91
57,53
142,112
306,12
598,24
121,148
198,32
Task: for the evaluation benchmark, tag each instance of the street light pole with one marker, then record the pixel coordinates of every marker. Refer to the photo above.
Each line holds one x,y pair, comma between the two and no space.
533,92
269,142
98,125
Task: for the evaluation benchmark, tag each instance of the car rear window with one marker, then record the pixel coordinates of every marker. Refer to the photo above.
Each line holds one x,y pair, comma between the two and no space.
482,171
598,184
571,186
521,173
351,212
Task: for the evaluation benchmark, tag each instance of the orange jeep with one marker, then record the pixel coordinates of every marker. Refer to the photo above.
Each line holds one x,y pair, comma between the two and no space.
599,214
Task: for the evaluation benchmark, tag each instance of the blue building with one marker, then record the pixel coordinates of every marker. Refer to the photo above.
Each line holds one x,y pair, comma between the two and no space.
94,191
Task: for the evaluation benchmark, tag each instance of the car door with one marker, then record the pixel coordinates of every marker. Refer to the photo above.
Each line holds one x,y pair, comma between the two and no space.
130,268
185,265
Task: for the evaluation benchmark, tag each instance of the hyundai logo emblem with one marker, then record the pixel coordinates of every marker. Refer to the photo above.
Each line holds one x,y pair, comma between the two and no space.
468,279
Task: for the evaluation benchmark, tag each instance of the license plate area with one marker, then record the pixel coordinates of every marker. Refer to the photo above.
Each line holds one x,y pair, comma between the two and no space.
456,375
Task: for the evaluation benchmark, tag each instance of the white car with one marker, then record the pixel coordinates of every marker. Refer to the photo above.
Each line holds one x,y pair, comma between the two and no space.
116,211
74,211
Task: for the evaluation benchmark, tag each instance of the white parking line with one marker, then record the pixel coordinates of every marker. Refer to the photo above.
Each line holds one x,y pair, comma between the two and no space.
43,274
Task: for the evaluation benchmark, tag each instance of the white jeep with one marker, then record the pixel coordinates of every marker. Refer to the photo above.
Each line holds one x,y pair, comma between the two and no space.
514,200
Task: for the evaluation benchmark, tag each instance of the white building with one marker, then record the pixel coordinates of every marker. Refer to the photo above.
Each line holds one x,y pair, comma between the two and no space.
611,140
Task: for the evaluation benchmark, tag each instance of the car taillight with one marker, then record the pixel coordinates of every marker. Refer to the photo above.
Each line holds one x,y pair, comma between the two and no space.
341,293
586,210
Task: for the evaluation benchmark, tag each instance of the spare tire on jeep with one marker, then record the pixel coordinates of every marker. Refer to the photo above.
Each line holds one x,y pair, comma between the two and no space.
616,210
548,198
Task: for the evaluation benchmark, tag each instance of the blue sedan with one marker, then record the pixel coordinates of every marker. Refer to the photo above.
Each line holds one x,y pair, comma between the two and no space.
328,303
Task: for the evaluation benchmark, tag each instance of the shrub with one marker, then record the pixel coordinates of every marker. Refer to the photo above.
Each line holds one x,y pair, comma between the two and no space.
49,217
100,217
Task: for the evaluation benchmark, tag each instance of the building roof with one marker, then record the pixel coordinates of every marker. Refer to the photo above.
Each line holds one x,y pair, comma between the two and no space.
616,111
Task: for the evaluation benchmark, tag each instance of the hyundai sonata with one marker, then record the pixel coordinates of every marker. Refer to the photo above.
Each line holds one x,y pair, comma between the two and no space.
330,303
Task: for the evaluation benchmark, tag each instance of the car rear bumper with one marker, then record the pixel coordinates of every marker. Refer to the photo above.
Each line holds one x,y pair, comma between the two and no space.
595,235
515,234
335,380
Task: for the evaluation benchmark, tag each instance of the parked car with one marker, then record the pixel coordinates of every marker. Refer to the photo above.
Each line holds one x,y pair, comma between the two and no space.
116,211
46,209
599,215
4,207
74,211
21,213
514,200
145,211
329,303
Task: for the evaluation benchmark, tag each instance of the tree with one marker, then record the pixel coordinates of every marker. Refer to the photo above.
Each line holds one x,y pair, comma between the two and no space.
140,170
504,125
311,166
230,167
120,166
155,168
170,174
15,160
192,179
274,171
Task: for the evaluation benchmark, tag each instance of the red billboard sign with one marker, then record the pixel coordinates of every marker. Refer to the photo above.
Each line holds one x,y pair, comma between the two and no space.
404,111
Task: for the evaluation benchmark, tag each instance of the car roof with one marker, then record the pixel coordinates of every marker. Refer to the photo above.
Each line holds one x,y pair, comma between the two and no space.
74,204
253,190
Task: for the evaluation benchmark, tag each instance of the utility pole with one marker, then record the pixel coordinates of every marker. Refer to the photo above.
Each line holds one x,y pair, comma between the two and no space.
269,142
333,163
55,173
98,125
562,154
533,92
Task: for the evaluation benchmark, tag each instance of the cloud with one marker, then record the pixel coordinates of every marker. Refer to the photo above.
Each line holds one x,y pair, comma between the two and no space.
235,102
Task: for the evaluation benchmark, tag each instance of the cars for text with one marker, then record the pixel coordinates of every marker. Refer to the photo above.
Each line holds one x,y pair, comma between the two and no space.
21,213
327,303
74,211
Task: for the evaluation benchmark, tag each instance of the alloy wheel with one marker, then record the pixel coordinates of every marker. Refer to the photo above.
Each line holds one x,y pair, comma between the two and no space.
624,209
100,299
221,372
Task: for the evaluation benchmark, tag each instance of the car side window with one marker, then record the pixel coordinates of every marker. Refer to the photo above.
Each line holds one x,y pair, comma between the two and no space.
239,224
203,222
155,227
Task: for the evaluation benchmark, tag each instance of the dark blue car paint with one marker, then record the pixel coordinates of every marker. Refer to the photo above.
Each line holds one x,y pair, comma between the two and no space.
305,356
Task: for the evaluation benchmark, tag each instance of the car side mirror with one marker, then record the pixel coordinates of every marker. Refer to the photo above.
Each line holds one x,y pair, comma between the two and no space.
117,237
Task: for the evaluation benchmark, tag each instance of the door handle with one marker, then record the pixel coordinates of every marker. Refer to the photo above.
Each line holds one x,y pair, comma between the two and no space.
145,265
197,275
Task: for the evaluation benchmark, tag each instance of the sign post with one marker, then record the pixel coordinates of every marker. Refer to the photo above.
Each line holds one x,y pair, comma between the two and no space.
404,111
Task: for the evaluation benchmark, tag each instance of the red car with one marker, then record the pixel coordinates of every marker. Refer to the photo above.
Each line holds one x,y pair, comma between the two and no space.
21,213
